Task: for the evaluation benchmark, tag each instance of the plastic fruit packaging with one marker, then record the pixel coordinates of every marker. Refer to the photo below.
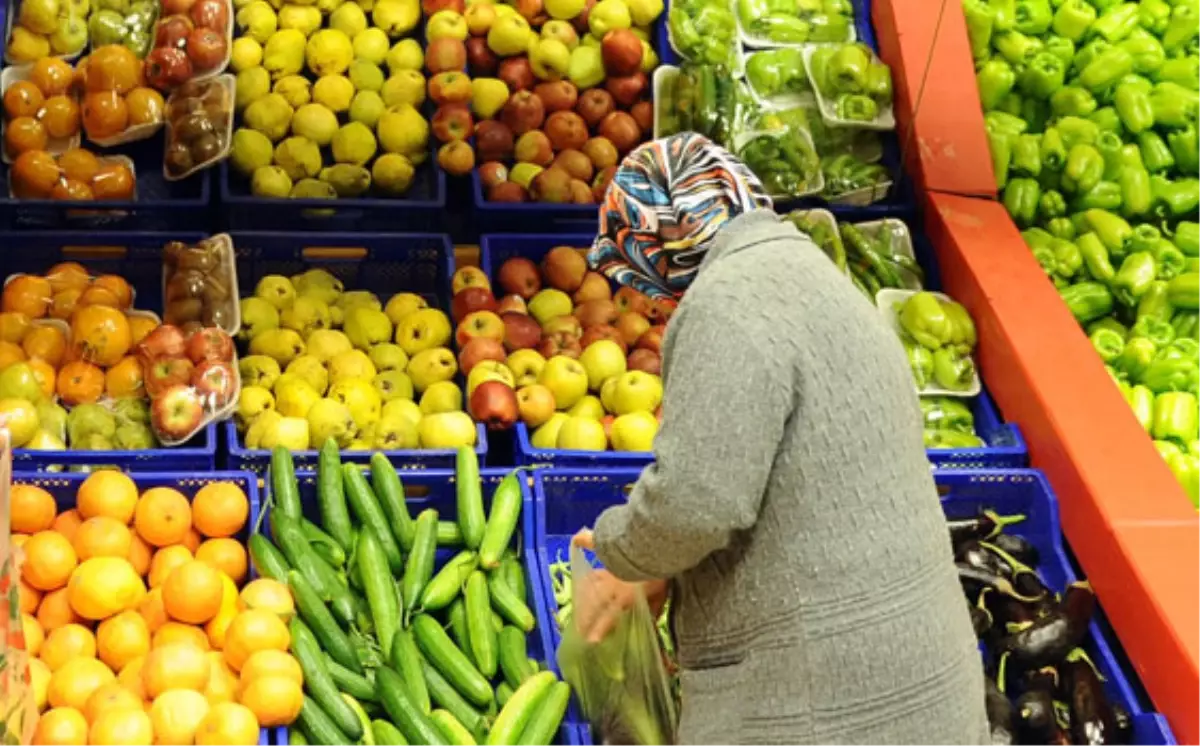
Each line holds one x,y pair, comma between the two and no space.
45,28
200,284
119,22
199,126
76,175
191,45
192,379
41,108
118,107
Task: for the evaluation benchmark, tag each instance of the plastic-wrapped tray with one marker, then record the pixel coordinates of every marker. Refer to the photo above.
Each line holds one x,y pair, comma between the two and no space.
753,40
10,22
54,145
224,135
664,75
888,300
885,118
227,316
82,208
735,43
219,67
894,233
816,181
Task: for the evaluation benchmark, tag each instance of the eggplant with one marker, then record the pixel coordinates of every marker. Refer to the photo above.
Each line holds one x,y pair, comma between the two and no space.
1093,720
1047,640
1024,578
1017,547
976,580
973,554
999,713
983,525
1036,720
981,619
1043,679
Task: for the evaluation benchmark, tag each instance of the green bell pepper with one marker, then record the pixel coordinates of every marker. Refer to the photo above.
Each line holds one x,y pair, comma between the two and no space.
1133,106
995,79
951,439
1051,205
1141,401
879,82
1184,148
1105,69
1033,16
1154,15
1021,200
1036,111
1148,55
1095,257
1061,227
1108,344
1087,301
1185,467
1072,101
1144,237
1183,71
1186,324
1174,106
1109,146
1175,199
1175,417
1064,49
1165,448
1087,53
963,335
1112,230
1073,19
920,361
846,71
947,413
1171,374
1000,148
1043,76
1136,195
1004,11
1183,28
1084,169
1036,238
1158,331
1155,304
1169,259
1155,153
1115,24
1105,195
1134,278
1012,104
1187,237
1067,258
1106,119
1136,357
980,22
1054,152
952,370
1184,291
856,107
1108,323
924,318
1074,130
1016,47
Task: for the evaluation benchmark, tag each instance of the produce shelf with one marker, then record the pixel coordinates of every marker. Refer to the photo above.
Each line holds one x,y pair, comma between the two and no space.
435,488
567,500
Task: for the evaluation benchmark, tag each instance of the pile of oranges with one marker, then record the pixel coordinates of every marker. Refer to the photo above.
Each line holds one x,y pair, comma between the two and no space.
77,175
43,108
134,621
115,94
94,358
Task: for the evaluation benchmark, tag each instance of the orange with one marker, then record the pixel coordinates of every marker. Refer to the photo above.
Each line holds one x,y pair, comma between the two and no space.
193,592
34,174
163,516
66,643
274,700
271,663
110,697
269,595
130,677
79,382
55,611
101,333
122,638
64,304
152,610
45,342
102,537
95,296
124,380
178,666
227,555
123,726
216,627
251,631
22,99
139,554
76,680
118,287
52,75
62,726
222,681
192,540
165,560
28,596
34,636
177,714
32,509
67,275
108,493
19,539
228,723
10,353
103,586
178,633
68,522
14,326
27,294
220,509
140,326
45,375
49,560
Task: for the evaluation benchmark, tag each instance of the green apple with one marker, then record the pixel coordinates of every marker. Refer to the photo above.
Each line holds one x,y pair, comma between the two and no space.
581,434
586,69
546,436
388,356
607,389
404,408
294,396
423,330
447,24
566,379
428,367
443,396
549,303
550,59
607,15
526,365
312,371
603,359
637,391
565,9
644,12
351,364
589,406
509,35
447,430
331,419
634,432
489,370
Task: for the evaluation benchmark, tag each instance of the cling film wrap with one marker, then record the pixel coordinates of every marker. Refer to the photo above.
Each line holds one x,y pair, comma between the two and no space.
20,710
129,24
199,126
41,109
200,284
705,32
621,683
37,30
119,106
191,46
770,23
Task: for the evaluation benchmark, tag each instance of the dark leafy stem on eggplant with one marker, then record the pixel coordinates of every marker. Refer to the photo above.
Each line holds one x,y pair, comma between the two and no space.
985,525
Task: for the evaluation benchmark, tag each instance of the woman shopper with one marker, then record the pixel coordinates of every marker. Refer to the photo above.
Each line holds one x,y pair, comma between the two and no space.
791,507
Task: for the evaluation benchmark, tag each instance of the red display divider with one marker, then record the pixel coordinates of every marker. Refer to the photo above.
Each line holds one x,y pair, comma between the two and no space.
926,45
1128,521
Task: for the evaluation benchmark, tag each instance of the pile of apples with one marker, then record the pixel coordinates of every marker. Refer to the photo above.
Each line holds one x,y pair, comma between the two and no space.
190,378
556,91
560,353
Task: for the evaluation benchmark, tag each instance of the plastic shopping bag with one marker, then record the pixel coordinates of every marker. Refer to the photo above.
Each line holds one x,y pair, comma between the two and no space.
620,682
18,718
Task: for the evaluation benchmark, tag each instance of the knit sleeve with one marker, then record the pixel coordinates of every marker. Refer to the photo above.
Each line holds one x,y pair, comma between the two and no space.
725,406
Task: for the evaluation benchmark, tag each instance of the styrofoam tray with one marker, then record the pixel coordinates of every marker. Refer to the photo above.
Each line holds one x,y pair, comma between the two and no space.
887,300
230,261
54,145
822,216
216,70
867,195
230,85
762,42
14,11
884,120
735,53
664,75
777,102
815,185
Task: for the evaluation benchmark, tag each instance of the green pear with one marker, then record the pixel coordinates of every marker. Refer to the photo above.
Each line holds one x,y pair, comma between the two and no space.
347,180
299,157
349,19
45,441
258,315
546,436
367,107
284,345
306,315
312,371
351,365
326,344
318,283
259,370
129,409
89,419
276,290
405,54
430,366
329,52
316,123
52,418
443,396
367,327
393,384
271,182
361,397
331,419
134,436
283,54
251,151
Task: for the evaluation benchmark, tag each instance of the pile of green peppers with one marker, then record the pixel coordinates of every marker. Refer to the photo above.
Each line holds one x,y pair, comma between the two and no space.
1091,110
797,21
939,337
849,76
776,72
705,31
949,423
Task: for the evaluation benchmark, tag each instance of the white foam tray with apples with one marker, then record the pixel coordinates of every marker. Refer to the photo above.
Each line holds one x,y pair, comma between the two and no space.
889,301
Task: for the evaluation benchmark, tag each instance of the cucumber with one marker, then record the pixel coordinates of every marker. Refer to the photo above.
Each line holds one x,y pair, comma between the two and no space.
387,734
413,723
458,624
349,682
453,731
296,737
440,651
547,718
518,711
406,660
514,658
266,558
389,491
479,624
469,497
497,621
509,606
368,739
320,684
510,569
448,534
285,493
502,521
504,692
323,544
318,726
419,568
362,500
314,612
294,544
448,698
447,584
379,587
331,495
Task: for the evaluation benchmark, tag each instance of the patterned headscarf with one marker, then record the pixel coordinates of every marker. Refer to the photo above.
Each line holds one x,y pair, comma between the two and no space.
665,205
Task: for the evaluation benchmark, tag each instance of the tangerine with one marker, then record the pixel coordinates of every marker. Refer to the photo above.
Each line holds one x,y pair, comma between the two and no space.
152,610
65,301
123,726
178,633
176,714
145,106
103,586
119,287
66,275
139,554
130,677
49,561
166,560
124,380
192,540
23,99
55,611
102,537
60,116
140,326
70,190
24,134
14,326
9,354
110,696
177,666
52,76
107,493
81,165
251,631
104,115
61,726
222,681
228,723
76,680
101,333
94,296
220,509
69,521
28,597
269,595
67,643
227,555
163,516
45,342
34,635
32,508
274,700
122,638
79,382
34,174
193,592
28,294
271,663
114,182
112,68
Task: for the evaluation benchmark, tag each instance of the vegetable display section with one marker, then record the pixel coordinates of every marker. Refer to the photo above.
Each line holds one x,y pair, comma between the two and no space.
569,499
479,678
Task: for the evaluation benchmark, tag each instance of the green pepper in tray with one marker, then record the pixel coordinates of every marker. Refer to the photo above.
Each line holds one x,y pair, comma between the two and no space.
797,21
776,72
786,164
856,85
704,31
823,232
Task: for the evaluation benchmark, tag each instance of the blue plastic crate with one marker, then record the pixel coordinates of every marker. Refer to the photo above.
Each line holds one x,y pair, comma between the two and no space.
383,263
138,258
64,486
435,488
567,500
1005,447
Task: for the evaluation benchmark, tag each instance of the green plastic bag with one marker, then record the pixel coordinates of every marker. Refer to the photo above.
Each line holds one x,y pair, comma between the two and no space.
621,684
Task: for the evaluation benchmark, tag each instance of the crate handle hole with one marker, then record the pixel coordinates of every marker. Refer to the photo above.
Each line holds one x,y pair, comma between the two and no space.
416,490
94,252
319,253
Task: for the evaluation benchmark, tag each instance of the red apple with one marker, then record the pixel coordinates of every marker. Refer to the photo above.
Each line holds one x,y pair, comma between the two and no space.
519,276
177,413
469,277
560,343
566,323
471,299
492,173
632,325
212,14
445,55
453,122
621,51
210,343
517,73
429,7
628,299
594,105
206,48
661,310
480,58
645,360
596,313
451,87
520,331
168,67
494,403
173,31
523,112
216,382
477,350
511,304
165,372
602,331
176,7
652,339
165,341
626,90
479,324
493,141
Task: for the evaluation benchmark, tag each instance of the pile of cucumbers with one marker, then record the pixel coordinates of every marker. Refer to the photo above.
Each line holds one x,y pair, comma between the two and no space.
373,609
